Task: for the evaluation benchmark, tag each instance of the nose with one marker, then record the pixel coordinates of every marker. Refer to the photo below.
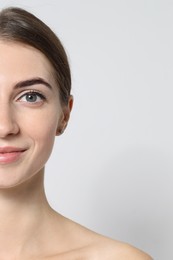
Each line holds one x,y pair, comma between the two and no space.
8,124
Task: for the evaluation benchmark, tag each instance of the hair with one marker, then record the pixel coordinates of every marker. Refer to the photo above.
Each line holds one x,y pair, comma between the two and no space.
18,25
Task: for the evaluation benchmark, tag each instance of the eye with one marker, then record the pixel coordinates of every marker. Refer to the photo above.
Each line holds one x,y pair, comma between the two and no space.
31,97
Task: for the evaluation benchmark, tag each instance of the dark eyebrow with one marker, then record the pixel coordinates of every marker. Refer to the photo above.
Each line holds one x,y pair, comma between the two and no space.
31,82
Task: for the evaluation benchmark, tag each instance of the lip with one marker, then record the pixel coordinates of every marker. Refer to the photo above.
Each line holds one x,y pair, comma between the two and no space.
10,154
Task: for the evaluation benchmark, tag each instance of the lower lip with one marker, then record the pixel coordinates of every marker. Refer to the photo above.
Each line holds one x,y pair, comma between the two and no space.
10,157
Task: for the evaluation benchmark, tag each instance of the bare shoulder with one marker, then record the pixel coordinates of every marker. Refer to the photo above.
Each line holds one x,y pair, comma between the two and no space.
104,250
97,247
115,250
84,244
101,247
107,250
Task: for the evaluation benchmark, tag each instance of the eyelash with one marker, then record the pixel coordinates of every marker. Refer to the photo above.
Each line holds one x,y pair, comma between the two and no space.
33,92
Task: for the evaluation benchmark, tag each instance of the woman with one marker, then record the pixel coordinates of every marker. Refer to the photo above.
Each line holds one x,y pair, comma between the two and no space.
35,105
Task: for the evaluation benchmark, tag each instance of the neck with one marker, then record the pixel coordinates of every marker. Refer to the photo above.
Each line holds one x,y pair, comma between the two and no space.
22,210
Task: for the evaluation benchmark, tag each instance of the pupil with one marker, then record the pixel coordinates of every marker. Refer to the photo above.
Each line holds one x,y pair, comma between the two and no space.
31,97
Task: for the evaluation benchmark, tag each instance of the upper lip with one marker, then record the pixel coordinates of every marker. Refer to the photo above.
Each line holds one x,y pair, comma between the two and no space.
10,149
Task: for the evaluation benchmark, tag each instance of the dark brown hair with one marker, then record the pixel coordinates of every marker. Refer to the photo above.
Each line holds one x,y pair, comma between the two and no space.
21,26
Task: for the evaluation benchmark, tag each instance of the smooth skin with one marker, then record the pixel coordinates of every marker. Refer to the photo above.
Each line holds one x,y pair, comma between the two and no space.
31,115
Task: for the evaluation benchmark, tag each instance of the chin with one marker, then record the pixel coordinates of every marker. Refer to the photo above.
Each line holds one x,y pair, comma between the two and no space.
15,181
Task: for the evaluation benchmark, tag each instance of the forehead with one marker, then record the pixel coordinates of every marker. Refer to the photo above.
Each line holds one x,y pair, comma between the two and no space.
19,61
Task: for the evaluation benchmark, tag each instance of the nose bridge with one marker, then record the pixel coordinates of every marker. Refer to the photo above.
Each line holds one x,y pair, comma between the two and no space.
7,119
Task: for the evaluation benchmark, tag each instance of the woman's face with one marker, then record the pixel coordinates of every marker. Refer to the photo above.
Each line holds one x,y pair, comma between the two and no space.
30,112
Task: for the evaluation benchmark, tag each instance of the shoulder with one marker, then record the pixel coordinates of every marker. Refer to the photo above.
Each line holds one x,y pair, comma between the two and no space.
104,248
108,249
97,247
82,243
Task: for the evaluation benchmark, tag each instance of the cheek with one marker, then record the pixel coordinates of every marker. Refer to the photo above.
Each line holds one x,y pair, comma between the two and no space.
42,141
41,132
44,135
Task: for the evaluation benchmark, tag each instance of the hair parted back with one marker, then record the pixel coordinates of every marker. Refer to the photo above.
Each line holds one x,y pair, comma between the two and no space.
19,25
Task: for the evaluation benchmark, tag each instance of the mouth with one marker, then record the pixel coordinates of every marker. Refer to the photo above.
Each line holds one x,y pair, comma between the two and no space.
10,154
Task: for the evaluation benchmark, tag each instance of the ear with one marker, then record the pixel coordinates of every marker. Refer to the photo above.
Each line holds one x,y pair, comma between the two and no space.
66,110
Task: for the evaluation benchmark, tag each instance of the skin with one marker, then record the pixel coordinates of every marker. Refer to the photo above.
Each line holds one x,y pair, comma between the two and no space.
29,227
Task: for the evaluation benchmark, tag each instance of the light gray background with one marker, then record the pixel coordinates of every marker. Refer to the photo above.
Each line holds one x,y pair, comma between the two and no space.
112,169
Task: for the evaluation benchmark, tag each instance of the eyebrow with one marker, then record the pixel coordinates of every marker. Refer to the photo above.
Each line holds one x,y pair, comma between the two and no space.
31,82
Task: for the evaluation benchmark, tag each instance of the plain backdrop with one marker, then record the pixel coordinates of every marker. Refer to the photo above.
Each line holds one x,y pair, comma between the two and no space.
112,169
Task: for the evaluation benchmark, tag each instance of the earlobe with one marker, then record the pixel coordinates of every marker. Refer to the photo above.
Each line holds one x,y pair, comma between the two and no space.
59,132
65,117
61,126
